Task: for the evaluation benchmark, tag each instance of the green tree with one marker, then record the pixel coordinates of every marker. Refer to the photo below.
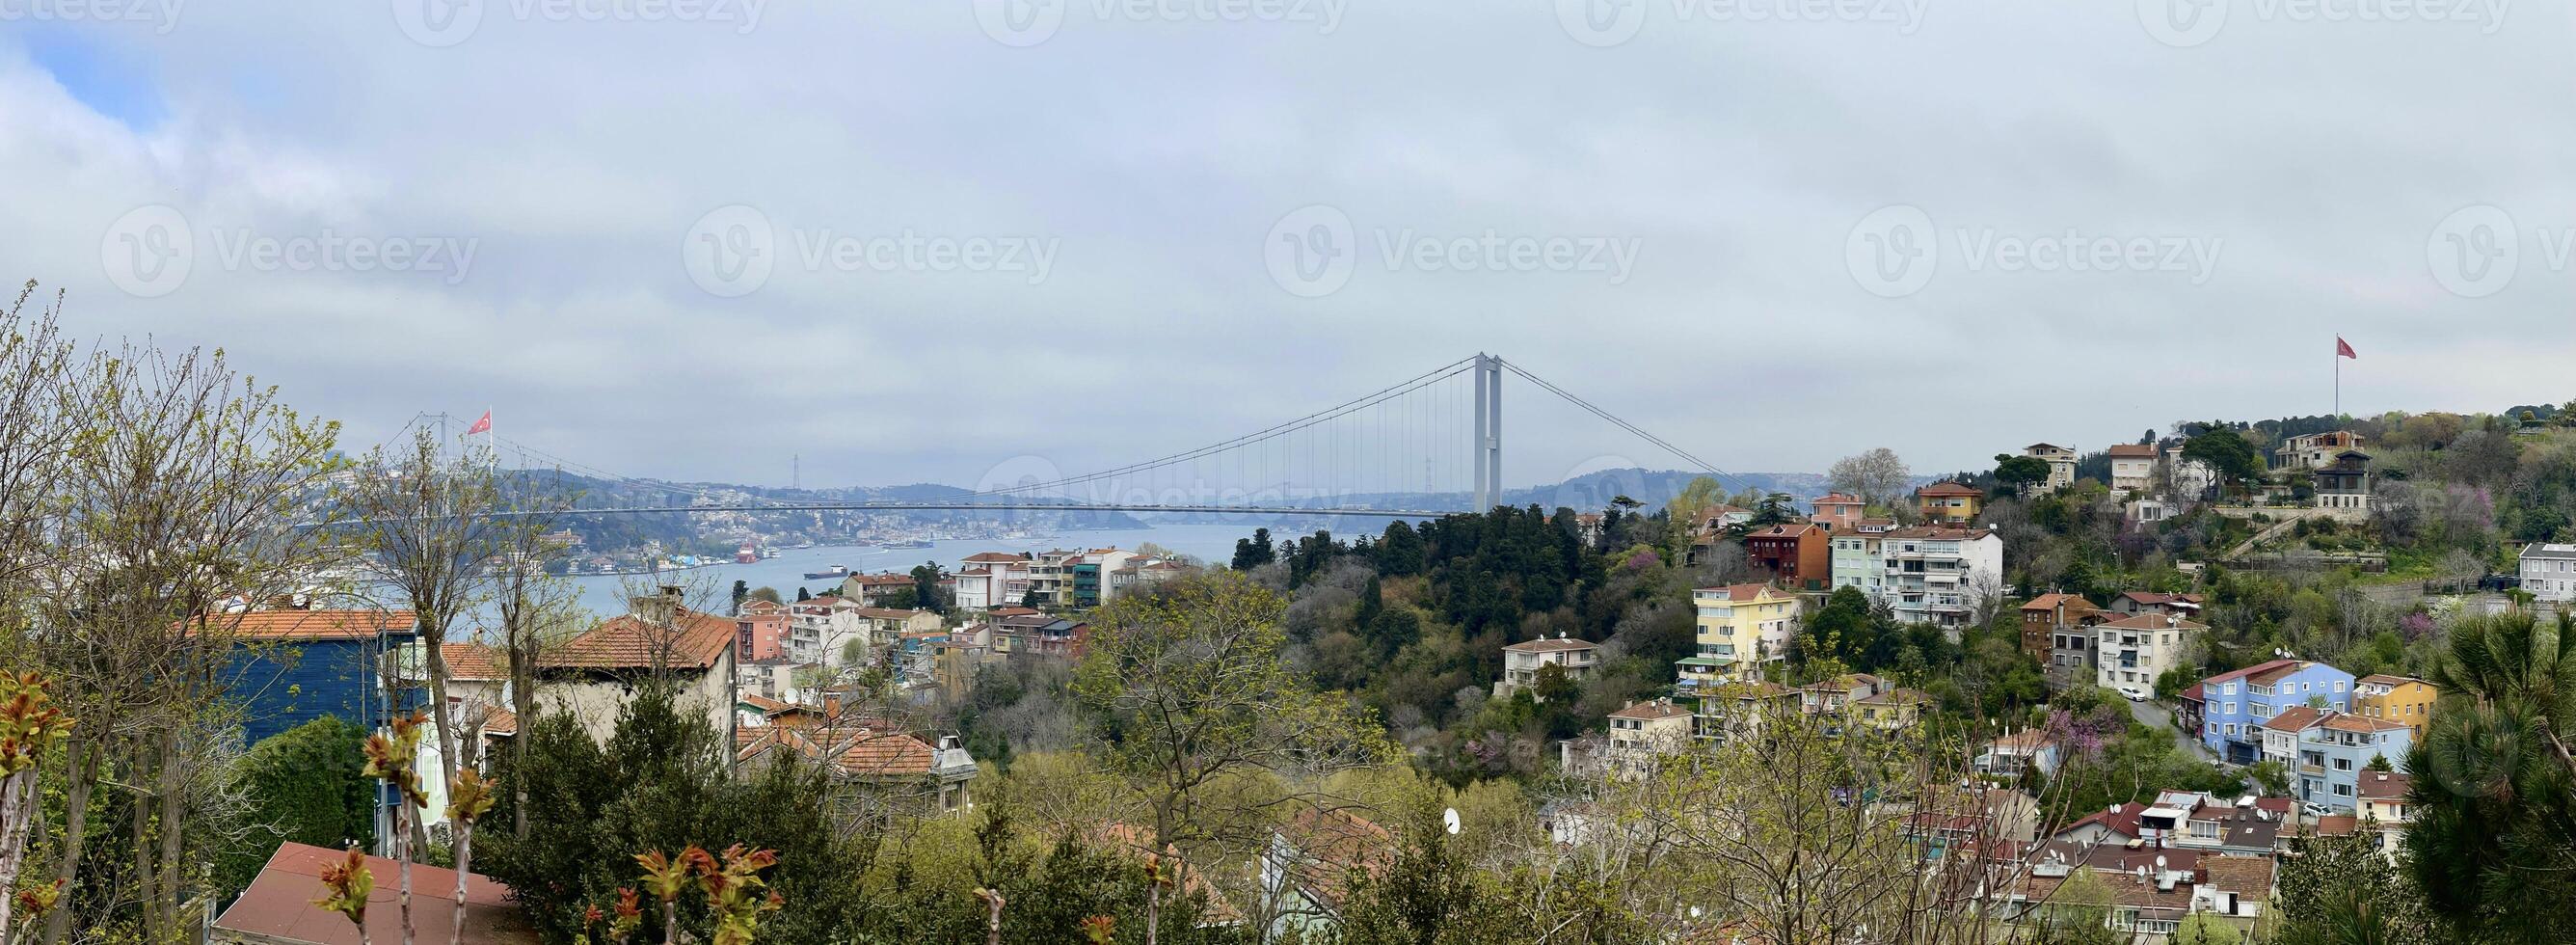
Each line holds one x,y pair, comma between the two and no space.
1210,728
1253,552
2345,891
2493,841
2225,451
2201,928
925,588
2020,472
302,785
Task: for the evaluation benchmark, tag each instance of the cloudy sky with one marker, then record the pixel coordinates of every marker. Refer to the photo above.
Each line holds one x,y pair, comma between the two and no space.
923,240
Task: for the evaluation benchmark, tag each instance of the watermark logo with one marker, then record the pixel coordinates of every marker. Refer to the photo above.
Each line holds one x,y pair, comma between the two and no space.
1601,24
438,23
161,15
2475,251
443,23
730,251
148,251
2182,23
1606,23
1314,251
1024,23
2188,23
1895,251
733,250
1019,23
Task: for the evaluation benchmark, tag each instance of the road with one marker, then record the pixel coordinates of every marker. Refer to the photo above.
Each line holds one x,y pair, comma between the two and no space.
2152,713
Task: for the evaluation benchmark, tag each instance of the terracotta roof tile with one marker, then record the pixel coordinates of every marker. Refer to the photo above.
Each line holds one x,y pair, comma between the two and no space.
310,624
627,642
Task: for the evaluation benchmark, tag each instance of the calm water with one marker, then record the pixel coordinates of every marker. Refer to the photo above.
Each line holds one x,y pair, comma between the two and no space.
605,594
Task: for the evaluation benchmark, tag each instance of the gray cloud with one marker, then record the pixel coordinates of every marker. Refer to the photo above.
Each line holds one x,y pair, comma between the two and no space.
2315,159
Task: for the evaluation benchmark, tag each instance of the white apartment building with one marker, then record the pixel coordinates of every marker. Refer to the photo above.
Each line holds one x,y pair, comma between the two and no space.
2132,651
819,630
1939,575
1523,660
992,579
2133,467
2061,464
2549,572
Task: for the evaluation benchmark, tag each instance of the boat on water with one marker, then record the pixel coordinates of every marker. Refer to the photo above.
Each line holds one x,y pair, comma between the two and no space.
908,544
828,573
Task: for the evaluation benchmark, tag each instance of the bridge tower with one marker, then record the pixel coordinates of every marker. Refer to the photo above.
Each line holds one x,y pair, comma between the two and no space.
1489,433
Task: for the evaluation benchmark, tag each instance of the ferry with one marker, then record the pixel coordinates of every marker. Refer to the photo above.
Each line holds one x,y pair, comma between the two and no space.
907,544
834,571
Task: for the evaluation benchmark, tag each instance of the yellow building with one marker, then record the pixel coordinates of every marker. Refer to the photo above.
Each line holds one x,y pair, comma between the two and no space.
1949,503
2404,700
1743,628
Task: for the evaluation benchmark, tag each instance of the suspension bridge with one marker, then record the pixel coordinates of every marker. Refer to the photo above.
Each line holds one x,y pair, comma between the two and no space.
1409,450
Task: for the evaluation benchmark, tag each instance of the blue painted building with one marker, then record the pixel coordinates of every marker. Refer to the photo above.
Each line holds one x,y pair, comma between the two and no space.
290,667
2235,705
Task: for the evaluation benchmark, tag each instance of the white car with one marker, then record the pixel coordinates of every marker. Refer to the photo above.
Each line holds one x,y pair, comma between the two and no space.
2317,810
2136,694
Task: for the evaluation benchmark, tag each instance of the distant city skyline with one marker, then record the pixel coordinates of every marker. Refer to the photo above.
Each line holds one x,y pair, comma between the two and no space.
1091,235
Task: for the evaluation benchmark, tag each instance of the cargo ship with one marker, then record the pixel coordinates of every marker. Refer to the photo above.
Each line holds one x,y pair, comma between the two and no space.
834,571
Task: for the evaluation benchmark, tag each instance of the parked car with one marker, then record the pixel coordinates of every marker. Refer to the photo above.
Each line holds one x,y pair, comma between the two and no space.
2315,809
2136,694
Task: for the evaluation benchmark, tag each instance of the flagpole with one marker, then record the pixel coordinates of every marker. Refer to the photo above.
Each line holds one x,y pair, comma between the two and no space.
2338,359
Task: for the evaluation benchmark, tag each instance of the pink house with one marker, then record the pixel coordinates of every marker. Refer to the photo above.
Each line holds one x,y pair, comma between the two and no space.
1839,512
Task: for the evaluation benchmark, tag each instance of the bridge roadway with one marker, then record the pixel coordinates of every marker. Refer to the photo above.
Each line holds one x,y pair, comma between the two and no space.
986,507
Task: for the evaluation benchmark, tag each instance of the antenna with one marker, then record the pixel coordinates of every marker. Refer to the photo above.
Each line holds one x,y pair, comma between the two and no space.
796,471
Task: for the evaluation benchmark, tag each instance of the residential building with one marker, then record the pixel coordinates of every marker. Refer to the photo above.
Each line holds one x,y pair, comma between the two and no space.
879,590
1034,634
1799,555
1856,562
2327,753
2133,467
1311,866
760,631
2405,700
1639,735
2061,464
1742,709
1890,709
592,675
1949,503
1710,526
873,765
1522,662
2549,572
884,627
2046,623
289,667
1744,631
1939,575
2133,603
2030,749
1838,512
1141,573
992,579
2132,651
2344,483
2315,449
771,677
2235,704
2384,806
827,630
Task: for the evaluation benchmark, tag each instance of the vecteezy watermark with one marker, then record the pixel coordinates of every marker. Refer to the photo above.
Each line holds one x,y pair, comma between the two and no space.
2193,22
161,15
1595,484
149,252
439,23
733,250
1025,23
1314,250
2476,250
1605,23
1896,250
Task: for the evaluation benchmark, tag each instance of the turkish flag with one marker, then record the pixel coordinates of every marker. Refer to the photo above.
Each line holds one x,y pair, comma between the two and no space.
2342,350
485,425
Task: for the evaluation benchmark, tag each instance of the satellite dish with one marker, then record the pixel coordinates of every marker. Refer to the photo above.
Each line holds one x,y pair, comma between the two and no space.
1449,818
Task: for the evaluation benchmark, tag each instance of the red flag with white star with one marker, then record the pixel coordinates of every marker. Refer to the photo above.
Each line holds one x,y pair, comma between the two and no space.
485,425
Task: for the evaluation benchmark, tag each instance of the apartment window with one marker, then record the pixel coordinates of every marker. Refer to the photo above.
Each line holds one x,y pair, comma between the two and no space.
2343,790
2338,686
